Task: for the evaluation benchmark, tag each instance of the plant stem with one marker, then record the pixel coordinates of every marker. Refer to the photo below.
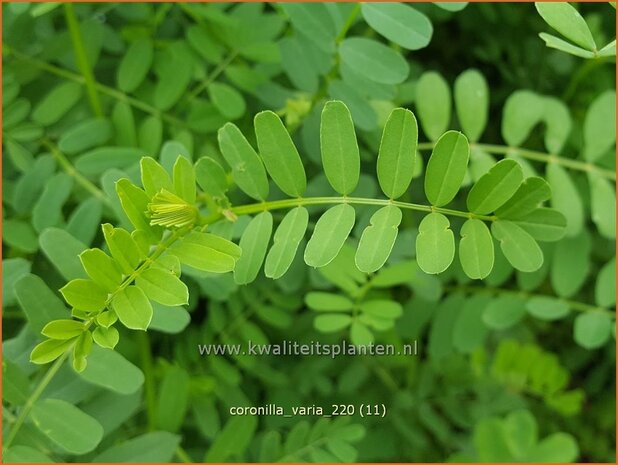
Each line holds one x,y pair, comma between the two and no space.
290,203
82,59
536,156
573,304
66,165
25,411
212,76
109,91
349,22
183,456
143,341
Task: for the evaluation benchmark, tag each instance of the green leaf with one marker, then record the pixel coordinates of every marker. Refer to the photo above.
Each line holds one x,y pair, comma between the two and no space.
521,432
556,448
154,177
84,294
565,198
253,243
435,244
446,168
174,74
363,113
173,399
519,247
327,302
15,386
49,350
332,323
63,329
378,239
25,454
360,335
399,23
135,202
38,302
85,220
314,21
476,249
504,312
609,50
603,205
163,287
63,251
158,446
329,235
211,177
124,125
67,426
279,154
171,320
397,152
56,103
567,21
13,269
544,224
97,161
469,332
374,60
526,199
135,64
340,154
110,370
184,180
81,350
150,134
547,308
564,46
247,168
605,288
233,439
451,6
285,243
228,100
592,330
433,104
522,111
495,187
472,103
101,268
123,248
48,210
207,252
133,308
571,264
85,135
106,338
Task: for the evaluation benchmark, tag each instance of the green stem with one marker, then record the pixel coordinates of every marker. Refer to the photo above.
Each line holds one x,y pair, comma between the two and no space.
536,156
109,91
349,22
290,203
211,77
82,59
573,304
149,385
66,165
25,411
183,456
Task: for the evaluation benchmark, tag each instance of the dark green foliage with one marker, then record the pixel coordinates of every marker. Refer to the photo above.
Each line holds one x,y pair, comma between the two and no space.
177,175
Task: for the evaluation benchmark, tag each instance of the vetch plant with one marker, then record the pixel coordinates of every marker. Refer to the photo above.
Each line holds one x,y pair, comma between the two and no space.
143,265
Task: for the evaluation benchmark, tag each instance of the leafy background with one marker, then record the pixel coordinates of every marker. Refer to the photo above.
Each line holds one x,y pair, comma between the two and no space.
520,366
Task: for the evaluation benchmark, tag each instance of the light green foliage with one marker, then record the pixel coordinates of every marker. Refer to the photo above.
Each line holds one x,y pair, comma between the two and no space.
565,19
446,168
397,153
340,155
158,155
